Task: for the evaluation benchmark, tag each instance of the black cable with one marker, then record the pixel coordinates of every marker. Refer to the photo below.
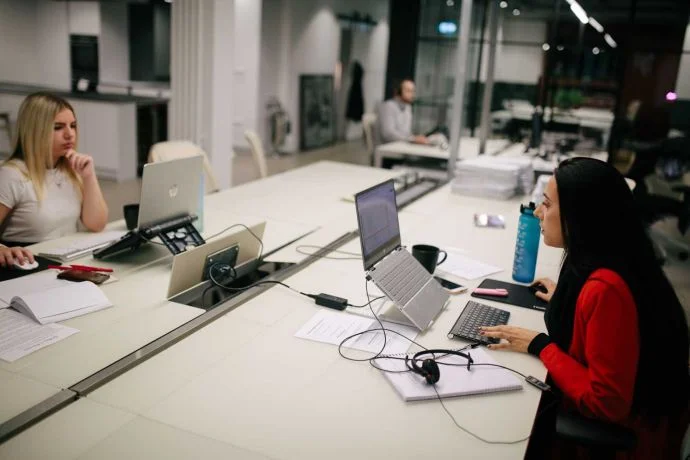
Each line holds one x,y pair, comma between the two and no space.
261,243
354,256
366,304
488,441
381,328
217,283
404,356
486,364
385,338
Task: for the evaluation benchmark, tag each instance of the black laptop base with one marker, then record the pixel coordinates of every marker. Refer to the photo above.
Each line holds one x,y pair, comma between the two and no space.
177,234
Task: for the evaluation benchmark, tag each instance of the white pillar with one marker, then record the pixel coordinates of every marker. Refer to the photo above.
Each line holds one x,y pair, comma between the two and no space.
201,79
459,87
247,54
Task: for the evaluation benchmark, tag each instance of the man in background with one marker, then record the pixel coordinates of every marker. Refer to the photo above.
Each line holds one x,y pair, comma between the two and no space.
394,121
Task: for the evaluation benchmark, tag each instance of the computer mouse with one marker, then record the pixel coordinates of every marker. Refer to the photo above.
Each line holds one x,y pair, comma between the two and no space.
24,265
538,288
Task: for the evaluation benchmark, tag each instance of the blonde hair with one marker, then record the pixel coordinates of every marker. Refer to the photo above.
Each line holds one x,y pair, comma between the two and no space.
33,140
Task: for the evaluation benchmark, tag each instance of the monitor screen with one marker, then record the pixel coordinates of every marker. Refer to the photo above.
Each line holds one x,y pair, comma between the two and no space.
377,216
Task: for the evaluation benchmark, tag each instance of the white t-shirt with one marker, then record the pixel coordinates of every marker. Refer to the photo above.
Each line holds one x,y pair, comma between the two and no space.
31,221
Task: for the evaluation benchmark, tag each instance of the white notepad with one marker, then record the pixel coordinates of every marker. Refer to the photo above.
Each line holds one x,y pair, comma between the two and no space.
454,380
61,302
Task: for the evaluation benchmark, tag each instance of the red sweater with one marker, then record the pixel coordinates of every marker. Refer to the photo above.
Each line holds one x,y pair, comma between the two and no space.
597,374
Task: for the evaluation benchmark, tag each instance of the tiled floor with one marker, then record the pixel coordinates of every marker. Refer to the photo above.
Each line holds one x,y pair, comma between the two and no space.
244,170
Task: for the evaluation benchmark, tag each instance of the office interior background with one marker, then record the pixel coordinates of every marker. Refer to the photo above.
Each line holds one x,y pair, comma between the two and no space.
141,72
262,86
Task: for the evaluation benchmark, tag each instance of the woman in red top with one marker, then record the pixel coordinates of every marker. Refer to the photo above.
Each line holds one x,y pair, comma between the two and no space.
617,343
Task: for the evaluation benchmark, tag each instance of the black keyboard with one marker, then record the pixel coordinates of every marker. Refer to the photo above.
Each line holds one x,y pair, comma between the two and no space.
475,315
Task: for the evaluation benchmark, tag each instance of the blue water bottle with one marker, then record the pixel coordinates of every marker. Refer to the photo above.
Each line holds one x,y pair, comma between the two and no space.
527,245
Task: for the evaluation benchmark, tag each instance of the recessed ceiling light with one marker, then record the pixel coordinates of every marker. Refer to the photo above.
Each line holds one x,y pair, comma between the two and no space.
516,12
595,50
503,4
545,47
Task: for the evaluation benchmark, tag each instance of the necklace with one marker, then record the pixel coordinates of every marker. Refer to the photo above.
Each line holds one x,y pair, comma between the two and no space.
58,178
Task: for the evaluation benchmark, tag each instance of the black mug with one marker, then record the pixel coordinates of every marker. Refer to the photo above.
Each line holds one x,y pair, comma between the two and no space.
131,212
428,256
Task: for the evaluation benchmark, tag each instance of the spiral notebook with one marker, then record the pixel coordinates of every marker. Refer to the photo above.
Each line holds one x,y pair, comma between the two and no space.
455,380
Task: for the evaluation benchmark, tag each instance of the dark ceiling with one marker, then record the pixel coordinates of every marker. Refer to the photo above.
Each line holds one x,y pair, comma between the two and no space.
611,11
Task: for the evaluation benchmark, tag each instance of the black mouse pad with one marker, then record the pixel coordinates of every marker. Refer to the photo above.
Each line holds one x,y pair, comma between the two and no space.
12,273
517,295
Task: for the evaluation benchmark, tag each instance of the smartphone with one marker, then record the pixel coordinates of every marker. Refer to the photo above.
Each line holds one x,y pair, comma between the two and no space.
489,220
453,288
81,275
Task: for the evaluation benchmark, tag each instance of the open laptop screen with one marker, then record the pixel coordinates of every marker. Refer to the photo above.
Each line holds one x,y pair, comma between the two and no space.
377,216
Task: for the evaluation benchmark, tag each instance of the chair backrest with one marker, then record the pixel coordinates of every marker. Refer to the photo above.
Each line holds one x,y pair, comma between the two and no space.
368,124
257,152
172,150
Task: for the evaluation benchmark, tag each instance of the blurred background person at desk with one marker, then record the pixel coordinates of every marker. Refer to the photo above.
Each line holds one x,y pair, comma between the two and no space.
46,188
617,343
394,121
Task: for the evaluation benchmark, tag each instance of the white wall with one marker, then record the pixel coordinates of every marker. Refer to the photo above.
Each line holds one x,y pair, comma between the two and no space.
273,23
514,63
683,80
84,18
518,63
246,58
113,45
371,50
35,43
309,43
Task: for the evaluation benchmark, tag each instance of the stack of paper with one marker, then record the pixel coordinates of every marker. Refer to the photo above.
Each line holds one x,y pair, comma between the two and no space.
465,267
492,177
20,335
333,327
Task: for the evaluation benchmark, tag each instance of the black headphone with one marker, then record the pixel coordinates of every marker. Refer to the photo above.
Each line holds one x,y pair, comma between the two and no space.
429,368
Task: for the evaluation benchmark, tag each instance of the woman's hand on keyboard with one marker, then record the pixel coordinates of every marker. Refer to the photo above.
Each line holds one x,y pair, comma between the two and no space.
9,255
514,338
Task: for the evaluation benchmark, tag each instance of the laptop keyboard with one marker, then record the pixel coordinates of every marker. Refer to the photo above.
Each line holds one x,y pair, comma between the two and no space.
475,315
401,276
82,246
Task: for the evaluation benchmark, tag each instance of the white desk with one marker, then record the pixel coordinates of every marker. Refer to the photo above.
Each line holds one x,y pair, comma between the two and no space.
547,166
592,118
244,387
141,314
469,147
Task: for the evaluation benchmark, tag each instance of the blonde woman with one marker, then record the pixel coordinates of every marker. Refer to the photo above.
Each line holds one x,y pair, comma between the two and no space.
46,188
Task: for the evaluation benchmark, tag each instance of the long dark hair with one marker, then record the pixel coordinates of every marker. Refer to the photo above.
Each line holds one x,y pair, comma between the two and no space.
602,229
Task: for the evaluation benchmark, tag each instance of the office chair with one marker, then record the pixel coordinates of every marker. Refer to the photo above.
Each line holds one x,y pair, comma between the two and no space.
171,150
603,439
666,164
368,126
257,149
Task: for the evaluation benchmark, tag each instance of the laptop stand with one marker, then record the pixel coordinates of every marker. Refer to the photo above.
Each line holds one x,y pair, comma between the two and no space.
177,234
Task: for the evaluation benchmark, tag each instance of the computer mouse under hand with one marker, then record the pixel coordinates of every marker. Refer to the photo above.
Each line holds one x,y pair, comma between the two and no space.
538,288
24,264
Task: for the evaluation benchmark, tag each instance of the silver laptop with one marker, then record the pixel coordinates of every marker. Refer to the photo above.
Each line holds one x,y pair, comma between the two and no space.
170,188
415,293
